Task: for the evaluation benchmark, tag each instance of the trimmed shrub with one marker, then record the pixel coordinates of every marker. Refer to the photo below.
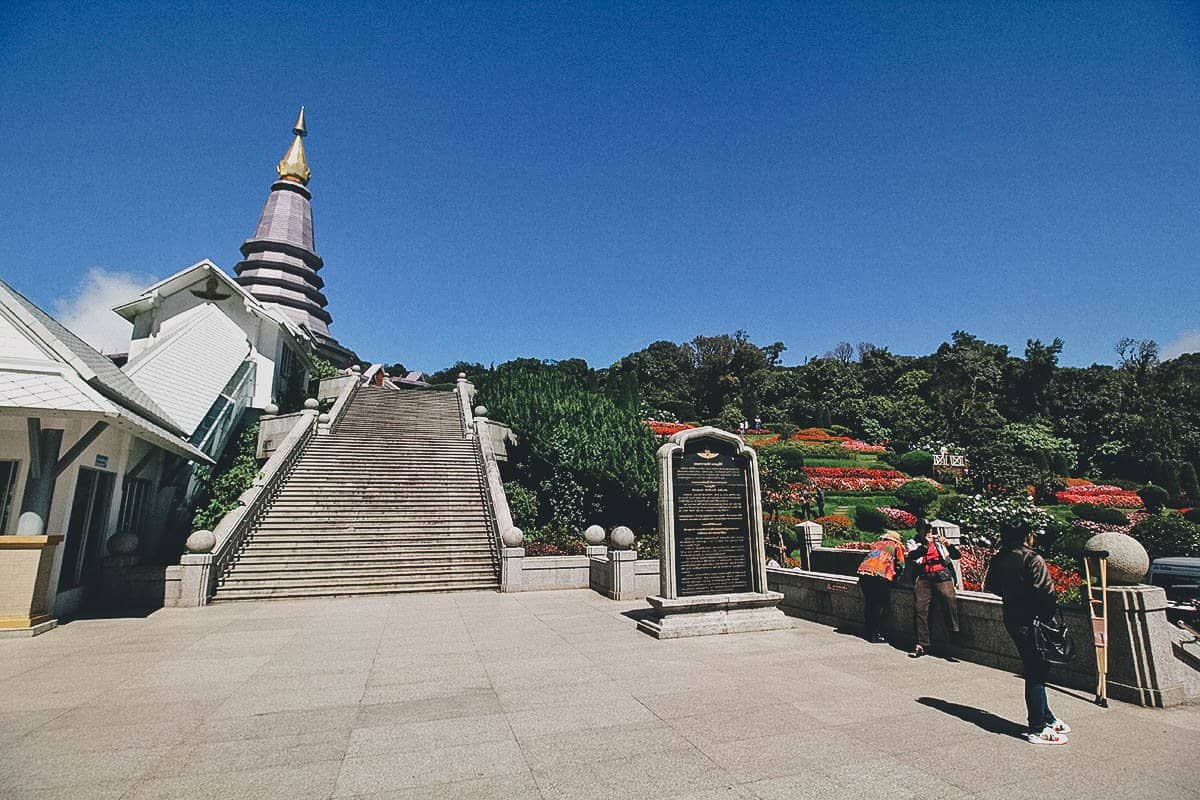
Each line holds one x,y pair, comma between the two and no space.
790,457
917,463
916,497
1188,484
1154,496
1095,513
1165,535
523,503
871,520
837,525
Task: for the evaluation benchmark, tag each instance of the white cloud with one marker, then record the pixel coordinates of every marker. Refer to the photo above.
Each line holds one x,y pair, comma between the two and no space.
1186,342
88,311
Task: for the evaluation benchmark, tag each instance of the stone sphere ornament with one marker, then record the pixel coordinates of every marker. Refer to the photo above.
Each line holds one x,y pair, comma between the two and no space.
513,537
201,542
311,404
481,411
621,537
462,376
1128,561
323,419
356,369
123,544
594,535
271,410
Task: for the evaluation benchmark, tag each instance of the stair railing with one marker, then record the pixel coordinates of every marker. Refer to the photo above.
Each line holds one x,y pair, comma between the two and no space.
344,400
465,390
232,533
500,516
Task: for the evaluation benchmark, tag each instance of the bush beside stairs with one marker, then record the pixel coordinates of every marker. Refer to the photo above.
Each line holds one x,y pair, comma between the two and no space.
392,501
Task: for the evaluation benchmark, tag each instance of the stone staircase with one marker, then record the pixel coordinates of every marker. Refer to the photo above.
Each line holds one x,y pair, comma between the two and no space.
390,502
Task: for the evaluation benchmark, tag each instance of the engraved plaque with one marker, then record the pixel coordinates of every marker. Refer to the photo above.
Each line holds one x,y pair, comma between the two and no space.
711,519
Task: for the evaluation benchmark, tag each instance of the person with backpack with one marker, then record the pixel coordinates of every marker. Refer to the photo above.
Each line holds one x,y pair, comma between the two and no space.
876,575
1020,577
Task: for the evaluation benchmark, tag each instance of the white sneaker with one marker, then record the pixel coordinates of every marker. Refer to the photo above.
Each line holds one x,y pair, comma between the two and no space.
1059,726
1047,736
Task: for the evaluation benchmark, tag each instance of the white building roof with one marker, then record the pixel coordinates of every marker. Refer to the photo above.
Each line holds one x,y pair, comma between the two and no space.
73,379
186,277
188,367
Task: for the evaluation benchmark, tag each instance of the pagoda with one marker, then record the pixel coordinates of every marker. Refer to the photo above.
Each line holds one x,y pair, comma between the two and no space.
279,263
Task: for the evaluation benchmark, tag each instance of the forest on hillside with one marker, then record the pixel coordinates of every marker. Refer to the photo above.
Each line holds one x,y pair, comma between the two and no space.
1023,421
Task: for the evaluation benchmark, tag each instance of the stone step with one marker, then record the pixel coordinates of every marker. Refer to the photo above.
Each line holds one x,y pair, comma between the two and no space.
367,537
339,551
238,577
381,563
269,592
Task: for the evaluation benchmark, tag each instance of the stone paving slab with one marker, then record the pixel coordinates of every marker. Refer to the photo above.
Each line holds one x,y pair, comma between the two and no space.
550,695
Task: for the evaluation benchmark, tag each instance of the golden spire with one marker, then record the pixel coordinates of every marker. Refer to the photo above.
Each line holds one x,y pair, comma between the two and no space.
294,166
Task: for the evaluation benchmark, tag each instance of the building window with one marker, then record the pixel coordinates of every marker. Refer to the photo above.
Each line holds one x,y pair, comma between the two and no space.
8,485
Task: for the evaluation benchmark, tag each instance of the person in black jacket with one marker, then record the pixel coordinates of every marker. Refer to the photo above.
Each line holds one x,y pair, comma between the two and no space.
1020,577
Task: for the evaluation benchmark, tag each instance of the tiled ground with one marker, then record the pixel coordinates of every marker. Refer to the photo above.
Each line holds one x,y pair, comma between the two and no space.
547,695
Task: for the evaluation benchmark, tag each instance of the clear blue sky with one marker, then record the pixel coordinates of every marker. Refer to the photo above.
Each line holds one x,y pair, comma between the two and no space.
495,180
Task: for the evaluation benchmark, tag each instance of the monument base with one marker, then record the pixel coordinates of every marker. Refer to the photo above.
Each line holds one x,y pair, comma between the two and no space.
708,615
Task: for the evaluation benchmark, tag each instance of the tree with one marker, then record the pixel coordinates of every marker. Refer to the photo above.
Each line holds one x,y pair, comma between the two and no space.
729,369
966,385
843,352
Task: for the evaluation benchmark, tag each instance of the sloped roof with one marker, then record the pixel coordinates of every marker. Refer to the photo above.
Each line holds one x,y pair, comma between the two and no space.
182,279
93,367
43,390
57,388
186,370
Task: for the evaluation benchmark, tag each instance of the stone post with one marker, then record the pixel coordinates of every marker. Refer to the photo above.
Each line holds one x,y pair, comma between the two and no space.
511,559
953,535
622,574
811,535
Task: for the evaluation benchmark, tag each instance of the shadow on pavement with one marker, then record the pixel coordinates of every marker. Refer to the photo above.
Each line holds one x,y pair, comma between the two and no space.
976,716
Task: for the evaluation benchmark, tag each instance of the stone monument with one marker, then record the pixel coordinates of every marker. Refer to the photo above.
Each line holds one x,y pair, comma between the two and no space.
712,573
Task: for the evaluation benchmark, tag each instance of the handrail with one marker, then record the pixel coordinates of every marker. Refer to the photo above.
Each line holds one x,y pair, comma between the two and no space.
345,397
466,395
231,533
492,483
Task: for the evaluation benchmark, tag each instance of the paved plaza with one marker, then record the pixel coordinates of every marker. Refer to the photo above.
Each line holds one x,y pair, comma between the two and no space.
541,695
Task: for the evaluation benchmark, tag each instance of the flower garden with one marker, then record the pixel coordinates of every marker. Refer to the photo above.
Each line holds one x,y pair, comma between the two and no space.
865,490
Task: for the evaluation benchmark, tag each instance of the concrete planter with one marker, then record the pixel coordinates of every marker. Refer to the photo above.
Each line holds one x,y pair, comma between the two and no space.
25,566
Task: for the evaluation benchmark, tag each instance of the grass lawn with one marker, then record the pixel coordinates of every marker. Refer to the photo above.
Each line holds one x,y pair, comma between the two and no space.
873,500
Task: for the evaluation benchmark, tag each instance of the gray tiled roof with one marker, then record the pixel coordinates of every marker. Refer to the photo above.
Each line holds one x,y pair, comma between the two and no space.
108,379
187,368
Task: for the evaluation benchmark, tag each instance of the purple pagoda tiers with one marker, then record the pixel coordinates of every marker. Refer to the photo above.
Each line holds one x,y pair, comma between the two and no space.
279,263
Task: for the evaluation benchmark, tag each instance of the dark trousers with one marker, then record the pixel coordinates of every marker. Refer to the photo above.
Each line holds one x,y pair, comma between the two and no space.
876,592
1037,709
923,591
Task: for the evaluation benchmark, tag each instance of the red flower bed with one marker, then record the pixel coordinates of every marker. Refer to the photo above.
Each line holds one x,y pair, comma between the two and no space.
858,446
1064,579
1074,482
667,428
855,546
974,564
857,479
899,518
1099,495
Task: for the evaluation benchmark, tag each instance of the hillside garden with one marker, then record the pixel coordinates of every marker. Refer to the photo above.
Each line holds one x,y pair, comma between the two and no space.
1075,450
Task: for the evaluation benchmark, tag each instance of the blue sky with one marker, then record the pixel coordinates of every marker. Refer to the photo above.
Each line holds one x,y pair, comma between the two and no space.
499,180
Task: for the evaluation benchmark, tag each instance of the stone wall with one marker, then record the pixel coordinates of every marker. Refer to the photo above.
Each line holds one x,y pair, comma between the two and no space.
618,574
1142,667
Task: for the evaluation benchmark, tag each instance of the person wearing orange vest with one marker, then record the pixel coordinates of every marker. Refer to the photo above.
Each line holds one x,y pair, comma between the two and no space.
876,574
